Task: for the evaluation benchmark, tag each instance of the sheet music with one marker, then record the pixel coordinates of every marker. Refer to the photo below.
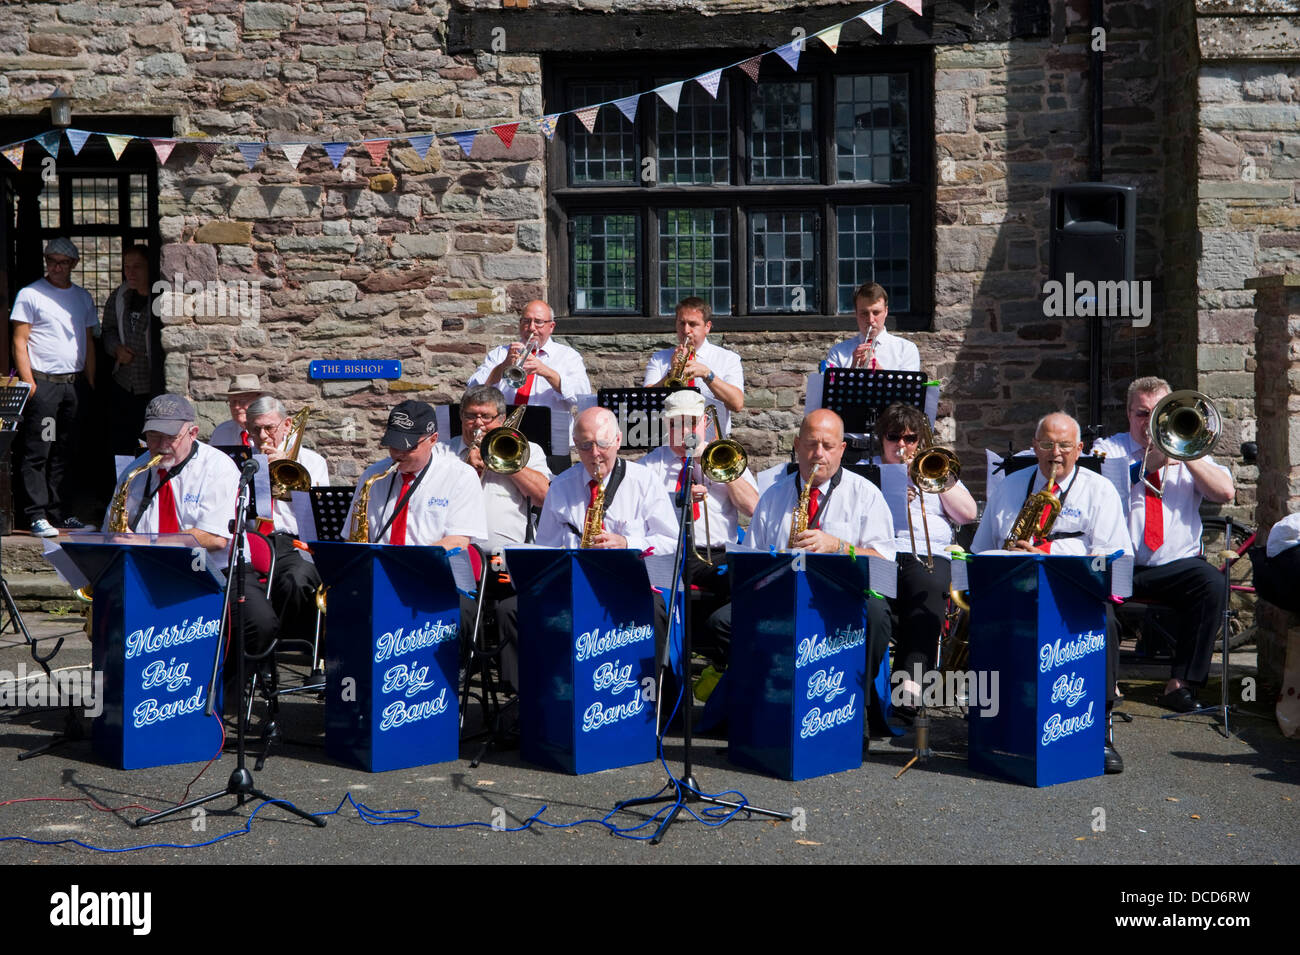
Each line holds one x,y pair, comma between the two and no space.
814,399
893,484
661,569
883,575
1116,471
960,578
300,503
262,486
63,566
931,402
1121,576
462,570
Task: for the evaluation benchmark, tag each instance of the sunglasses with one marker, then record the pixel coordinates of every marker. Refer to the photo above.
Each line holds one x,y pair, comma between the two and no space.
909,438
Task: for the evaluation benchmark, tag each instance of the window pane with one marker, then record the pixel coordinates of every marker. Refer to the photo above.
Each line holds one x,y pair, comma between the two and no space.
99,270
139,202
782,248
695,142
781,133
695,258
94,201
605,262
607,155
871,143
874,247
49,199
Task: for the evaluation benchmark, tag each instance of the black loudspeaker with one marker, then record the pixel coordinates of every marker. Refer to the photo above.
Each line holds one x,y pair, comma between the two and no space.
1093,232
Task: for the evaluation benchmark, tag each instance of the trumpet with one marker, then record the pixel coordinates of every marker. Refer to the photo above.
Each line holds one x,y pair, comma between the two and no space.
1184,426
871,353
677,374
930,470
515,374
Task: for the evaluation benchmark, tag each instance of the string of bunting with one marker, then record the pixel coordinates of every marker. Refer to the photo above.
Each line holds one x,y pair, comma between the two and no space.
669,93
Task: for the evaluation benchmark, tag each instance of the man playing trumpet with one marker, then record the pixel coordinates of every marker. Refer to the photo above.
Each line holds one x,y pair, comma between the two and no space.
1165,522
548,373
704,365
874,347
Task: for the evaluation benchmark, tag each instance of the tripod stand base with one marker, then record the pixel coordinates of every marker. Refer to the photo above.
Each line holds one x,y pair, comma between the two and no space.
684,791
240,785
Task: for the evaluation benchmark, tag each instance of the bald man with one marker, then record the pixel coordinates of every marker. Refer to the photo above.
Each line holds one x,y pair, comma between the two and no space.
554,372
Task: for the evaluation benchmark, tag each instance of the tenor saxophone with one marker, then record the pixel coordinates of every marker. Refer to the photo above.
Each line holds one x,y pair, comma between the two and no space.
1037,516
594,524
117,523
359,532
799,524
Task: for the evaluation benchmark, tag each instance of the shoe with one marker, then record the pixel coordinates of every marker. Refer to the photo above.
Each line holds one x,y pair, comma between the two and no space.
1114,763
705,685
43,528
1181,700
73,524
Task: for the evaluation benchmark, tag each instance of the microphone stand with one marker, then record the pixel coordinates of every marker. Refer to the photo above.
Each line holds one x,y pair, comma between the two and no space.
240,784
684,789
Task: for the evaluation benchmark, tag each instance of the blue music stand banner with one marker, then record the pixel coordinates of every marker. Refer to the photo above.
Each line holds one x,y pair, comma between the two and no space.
1039,622
798,668
154,632
586,658
392,656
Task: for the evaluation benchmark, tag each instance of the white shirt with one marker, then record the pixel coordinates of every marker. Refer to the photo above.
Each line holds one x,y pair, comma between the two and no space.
228,434
319,473
1180,506
856,512
640,510
448,502
724,516
507,506
1091,506
59,318
1285,534
566,363
204,491
941,533
891,352
723,363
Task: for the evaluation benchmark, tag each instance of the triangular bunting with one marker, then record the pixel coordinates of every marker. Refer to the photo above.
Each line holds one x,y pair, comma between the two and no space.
588,117
335,151
50,142
377,148
790,53
77,138
207,150
466,140
547,124
421,144
710,82
162,149
671,94
15,155
913,5
627,106
506,132
751,67
831,37
118,143
293,152
250,152
874,19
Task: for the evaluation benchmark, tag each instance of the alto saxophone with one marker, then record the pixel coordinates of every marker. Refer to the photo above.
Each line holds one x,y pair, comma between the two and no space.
117,522
359,532
1037,516
800,522
594,524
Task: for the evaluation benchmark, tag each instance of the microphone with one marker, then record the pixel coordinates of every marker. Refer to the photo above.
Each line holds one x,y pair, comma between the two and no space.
246,472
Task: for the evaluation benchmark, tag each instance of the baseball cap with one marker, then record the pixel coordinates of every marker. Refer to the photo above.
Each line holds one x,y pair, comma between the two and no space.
407,424
168,414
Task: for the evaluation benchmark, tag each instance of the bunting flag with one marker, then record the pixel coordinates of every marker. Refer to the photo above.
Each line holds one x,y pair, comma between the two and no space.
790,53
831,37
710,82
49,142
118,143
506,132
76,139
162,149
421,145
627,106
671,95
913,5
377,148
547,124
15,155
293,152
751,67
874,19
335,151
250,152
588,117
466,140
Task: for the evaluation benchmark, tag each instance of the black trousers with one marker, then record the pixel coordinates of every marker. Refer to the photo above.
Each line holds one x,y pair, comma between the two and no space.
1193,589
126,418
293,589
920,606
47,439
259,623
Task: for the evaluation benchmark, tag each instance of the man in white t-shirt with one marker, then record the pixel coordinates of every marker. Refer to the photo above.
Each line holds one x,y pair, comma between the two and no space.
874,347
53,325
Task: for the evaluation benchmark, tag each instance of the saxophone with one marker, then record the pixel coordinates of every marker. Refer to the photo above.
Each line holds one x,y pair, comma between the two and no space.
359,532
677,374
1030,522
117,523
800,522
594,524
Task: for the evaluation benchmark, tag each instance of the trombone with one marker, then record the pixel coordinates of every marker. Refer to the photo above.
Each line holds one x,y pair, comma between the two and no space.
505,449
722,461
930,469
1184,425
286,474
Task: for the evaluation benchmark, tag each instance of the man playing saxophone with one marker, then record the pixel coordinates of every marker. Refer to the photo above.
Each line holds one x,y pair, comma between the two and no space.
1090,520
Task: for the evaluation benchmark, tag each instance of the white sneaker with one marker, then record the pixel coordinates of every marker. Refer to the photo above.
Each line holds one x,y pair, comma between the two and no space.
43,528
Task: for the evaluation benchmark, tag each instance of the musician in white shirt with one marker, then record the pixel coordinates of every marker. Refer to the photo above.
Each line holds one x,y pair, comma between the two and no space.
874,347
554,373
716,371
1165,524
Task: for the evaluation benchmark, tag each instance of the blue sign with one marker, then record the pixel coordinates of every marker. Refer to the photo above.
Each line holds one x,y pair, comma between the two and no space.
341,368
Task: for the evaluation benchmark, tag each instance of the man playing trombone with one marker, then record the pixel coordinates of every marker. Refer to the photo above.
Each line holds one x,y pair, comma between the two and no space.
1165,521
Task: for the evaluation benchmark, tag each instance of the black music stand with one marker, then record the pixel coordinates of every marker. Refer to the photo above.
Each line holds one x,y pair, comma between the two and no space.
858,395
329,509
640,414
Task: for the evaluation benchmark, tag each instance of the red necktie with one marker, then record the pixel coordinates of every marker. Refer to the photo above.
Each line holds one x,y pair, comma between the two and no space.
1153,535
814,505
243,436
168,520
681,482
398,536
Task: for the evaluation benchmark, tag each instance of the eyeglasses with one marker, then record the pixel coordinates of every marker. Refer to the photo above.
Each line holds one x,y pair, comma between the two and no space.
536,322
909,438
590,445
489,416
59,263
1063,446
259,428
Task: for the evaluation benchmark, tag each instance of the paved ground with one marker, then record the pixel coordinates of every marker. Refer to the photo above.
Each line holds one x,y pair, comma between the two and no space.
1188,796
